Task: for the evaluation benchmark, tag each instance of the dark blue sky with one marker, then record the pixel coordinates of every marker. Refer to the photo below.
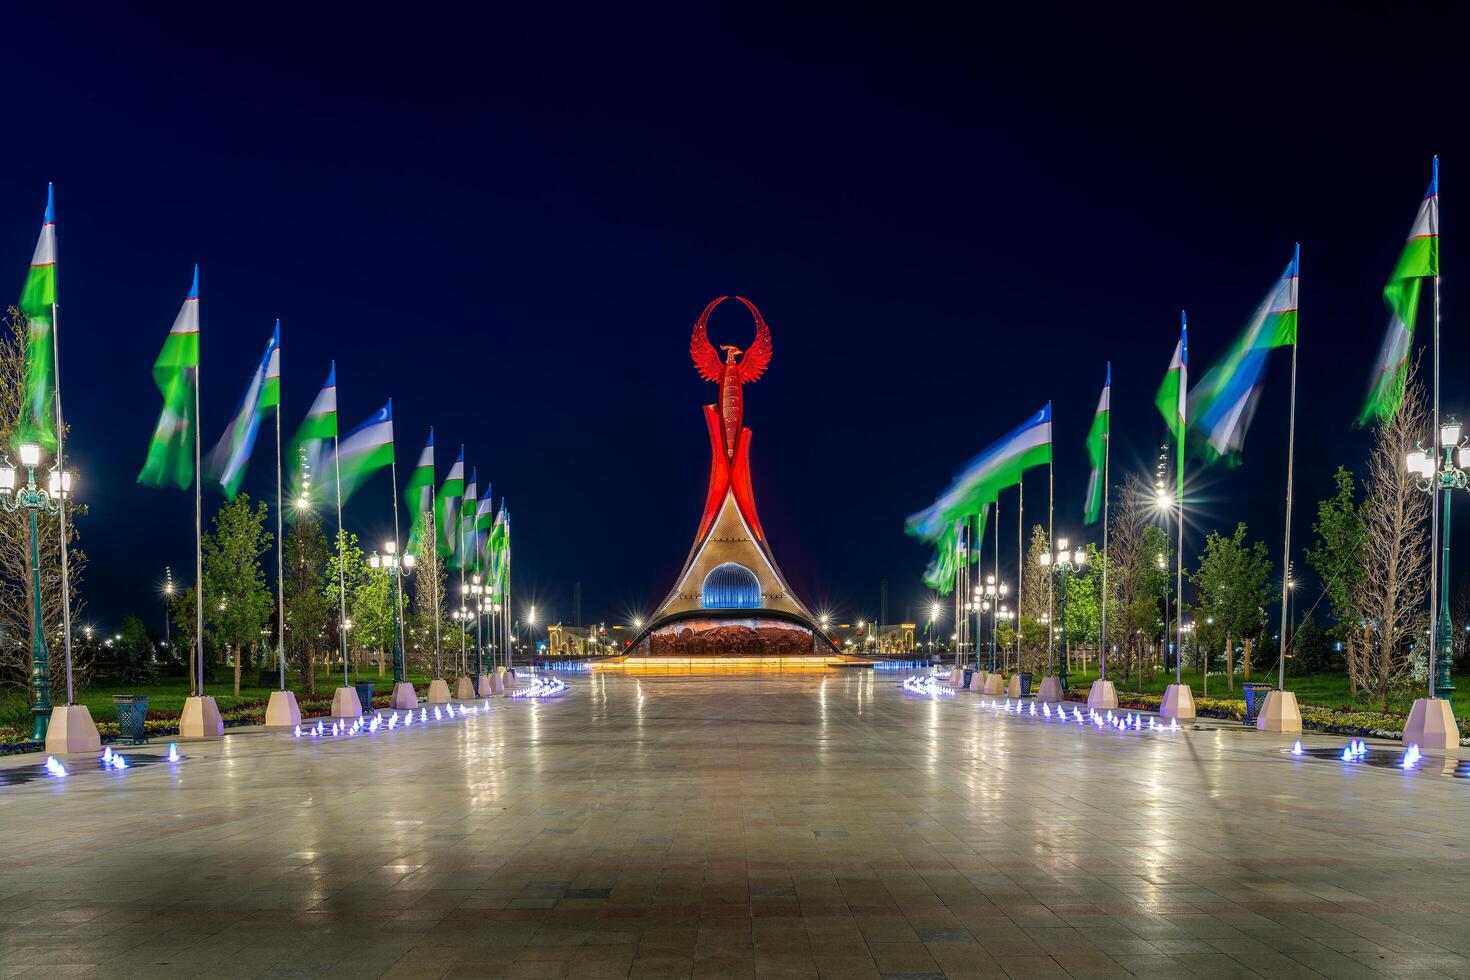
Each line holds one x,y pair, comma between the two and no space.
509,223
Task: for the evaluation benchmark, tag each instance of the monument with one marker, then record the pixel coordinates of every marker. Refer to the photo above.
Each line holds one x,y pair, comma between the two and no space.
731,600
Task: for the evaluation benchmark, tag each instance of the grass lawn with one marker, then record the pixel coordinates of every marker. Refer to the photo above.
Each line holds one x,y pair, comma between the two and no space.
1326,690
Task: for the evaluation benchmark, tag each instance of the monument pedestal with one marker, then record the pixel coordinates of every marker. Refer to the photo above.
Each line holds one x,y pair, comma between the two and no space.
1178,702
1280,713
72,730
1051,690
1102,695
404,697
1431,725
464,688
282,711
346,703
200,719
438,691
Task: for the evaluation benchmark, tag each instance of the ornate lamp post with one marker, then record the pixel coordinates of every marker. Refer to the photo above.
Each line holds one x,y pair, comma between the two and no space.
36,500
1446,474
477,593
993,593
396,566
1063,564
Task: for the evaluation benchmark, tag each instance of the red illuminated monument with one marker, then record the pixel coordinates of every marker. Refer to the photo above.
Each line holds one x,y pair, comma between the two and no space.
731,599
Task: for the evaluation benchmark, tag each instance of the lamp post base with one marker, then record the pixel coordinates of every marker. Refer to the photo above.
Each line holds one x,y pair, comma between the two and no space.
200,719
1431,725
1178,703
1102,695
346,703
282,711
405,698
438,691
72,730
1280,713
464,688
1051,689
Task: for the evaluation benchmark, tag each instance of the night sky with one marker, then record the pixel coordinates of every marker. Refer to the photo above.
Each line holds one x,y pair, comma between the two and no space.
509,225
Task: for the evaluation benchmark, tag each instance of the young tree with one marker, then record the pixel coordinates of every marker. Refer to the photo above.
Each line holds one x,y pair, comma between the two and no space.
16,607
1231,588
182,614
1084,604
371,612
134,654
1035,620
429,578
308,609
1394,559
237,604
354,575
1138,575
1336,557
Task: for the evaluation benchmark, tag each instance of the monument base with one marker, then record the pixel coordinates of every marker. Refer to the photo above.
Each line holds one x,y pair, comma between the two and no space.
1280,713
200,719
1178,702
1051,690
404,697
282,711
346,703
1431,725
438,691
72,730
1102,695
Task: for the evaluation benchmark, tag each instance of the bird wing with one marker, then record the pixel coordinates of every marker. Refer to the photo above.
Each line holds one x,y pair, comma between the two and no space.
706,358
758,355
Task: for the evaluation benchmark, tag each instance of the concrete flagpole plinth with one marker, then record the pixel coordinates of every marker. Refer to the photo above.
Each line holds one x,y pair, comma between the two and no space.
282,711
201,719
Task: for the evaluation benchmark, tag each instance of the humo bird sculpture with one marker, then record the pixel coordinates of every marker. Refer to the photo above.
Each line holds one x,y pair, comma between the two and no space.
730,374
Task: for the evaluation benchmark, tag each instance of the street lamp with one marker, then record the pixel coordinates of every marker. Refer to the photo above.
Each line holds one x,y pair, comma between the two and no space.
993,593
396,567
1445,475
1063,564
36,500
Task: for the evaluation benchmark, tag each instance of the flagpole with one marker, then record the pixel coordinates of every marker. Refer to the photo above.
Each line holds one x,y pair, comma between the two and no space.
1020,562
1050,542
1179,469
397,579
61,468
461,585
1102,653
280,555
1290,459
341,550
995,609
1434,531
198,534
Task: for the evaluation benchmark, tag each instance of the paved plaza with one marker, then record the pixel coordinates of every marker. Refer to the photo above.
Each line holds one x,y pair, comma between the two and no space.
738,825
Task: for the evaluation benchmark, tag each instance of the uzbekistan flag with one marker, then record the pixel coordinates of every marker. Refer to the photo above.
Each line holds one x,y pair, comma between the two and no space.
176,373
365,450
231,455
419,494
1097,448
38,302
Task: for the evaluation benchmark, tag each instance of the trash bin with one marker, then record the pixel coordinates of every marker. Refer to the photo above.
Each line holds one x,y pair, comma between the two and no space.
1255,698
1025,685
969,673
132,713
365,695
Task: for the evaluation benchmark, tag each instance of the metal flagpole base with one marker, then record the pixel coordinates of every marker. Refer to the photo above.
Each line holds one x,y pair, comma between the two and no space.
1051,689
1431,725
438,691
464,688
72,730
1178,702
346,703
200,719
404,696
282,711
1281,714
1102,695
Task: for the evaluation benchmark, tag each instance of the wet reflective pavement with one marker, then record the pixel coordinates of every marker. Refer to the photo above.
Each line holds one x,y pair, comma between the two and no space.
820,824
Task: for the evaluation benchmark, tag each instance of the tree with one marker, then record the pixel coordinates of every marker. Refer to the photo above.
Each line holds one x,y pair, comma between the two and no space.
355,573
371,612
1138,575
1310,650
134,654
1035,619
237,605
1084,602
1336,558
16,605
1393,563
1231,588
428,626
182,612
308,600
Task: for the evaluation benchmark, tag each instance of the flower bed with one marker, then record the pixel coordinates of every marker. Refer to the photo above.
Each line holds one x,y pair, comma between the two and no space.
159,724
1346,720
